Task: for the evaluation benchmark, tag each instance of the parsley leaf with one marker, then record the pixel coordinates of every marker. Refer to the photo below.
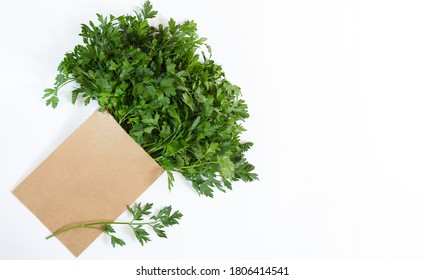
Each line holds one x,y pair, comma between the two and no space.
141,234
108,229
115,240
139,211
159,231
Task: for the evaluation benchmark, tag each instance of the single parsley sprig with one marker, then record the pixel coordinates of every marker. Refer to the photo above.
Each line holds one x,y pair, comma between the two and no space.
142,218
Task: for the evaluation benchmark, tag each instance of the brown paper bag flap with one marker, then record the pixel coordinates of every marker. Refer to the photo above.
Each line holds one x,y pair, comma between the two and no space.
91,176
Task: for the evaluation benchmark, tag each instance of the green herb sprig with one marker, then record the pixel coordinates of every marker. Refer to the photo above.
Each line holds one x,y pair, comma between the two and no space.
162,86
142,218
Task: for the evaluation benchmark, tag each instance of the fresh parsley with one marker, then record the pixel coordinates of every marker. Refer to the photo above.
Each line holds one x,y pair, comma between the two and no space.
142,220
162,86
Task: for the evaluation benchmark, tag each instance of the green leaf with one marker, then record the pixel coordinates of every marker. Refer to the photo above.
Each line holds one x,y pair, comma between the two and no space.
113,66
141,235
129,209
171,179
86,101
212,148
166,218
163,213
165,131
48,92
170,67
148,11
166,82
115,240
194,124
152,90
75,94
149,129
169,90
172,26
139,211
188,100
174,218
159,231
53,101
226,167
108,229
60,79
150,120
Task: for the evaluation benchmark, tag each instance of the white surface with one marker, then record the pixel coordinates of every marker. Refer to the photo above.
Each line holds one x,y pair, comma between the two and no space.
335,94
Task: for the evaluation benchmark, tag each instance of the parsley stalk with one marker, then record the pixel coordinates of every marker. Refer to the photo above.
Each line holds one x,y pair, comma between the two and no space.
92,225
141,217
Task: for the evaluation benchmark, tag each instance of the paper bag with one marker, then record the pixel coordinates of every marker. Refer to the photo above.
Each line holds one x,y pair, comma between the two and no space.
91,176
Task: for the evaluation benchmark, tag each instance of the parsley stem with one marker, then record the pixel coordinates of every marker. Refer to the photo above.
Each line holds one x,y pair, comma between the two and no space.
91,225
195,165
65,83
126,115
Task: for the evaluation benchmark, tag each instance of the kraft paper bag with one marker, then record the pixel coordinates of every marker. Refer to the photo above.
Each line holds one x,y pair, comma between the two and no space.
92,176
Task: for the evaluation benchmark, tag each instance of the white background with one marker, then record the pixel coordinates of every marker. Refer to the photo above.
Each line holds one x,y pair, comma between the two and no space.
335,93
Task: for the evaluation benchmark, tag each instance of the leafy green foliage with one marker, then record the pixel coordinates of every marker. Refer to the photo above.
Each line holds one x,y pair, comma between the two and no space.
142,220
108,229
166,92
115,240
141,234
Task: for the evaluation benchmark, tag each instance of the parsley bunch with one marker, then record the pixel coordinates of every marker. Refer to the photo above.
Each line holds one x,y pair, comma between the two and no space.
142,217
164,89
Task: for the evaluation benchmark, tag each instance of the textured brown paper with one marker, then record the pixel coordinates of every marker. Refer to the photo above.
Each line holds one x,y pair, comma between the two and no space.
91,176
